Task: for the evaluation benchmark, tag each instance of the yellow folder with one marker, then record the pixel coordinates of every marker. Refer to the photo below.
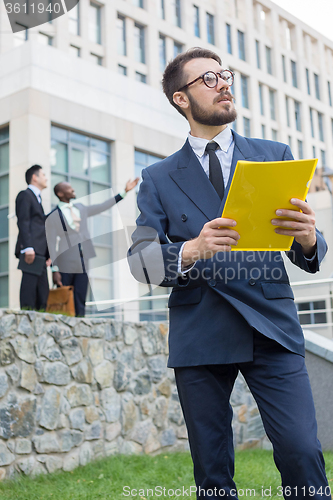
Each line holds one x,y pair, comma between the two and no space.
257,190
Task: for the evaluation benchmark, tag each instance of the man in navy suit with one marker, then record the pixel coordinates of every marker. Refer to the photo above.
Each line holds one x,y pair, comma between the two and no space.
230,312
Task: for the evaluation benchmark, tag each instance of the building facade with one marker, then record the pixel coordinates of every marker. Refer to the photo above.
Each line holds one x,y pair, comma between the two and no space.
81,96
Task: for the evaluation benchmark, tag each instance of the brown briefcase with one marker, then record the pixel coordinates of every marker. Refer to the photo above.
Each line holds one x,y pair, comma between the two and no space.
61,300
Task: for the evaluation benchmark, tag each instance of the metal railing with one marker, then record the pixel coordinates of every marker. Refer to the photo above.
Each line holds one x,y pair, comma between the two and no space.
120,308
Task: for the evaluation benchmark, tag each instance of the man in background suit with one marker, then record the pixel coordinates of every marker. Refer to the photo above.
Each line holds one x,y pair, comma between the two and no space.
69,240
31,239
230,312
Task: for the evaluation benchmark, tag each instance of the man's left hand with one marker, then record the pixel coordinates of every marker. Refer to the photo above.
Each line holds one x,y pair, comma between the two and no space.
48,262
302,225
131,184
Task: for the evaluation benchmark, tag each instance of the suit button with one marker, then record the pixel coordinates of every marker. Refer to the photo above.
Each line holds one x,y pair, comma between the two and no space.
252,282
212,282
184,217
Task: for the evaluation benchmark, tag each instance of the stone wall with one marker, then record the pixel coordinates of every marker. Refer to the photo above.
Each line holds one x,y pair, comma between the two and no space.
73,390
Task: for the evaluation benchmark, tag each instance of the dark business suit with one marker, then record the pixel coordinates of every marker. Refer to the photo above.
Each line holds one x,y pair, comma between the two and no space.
31,224
71,250
232,312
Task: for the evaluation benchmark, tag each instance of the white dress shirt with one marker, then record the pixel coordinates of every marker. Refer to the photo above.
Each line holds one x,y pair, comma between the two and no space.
224,153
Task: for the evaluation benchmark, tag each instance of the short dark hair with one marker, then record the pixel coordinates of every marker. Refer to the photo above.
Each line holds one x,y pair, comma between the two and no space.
30,172
57,188
174,77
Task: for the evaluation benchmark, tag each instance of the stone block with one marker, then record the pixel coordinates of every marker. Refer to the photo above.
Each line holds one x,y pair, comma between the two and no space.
161,412
53,463
79,395
130,334
27,465
69,439
157,366
58,331
129,412
7,355
164,387
7,326
56,373
18,417
112,431
50,408
23,446
3,384
14,373
141,431
24,326
94,431
168,437
28,377
111,404
142,383
82,330
86,454
47,443
6,457
96,351
104,374
83,372
122,376
24,349
130,448
71,350
71,461
77,419
91,414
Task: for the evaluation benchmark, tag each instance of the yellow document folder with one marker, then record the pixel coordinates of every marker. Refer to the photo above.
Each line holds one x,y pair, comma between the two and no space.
257,190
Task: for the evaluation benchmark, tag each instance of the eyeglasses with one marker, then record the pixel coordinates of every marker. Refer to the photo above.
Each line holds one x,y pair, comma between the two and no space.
210,79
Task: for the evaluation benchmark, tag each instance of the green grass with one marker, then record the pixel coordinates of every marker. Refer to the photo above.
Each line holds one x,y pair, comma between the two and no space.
106,478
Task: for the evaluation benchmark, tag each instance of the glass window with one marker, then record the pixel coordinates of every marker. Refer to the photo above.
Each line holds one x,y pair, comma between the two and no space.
122,70
162,9
311,122
329,93
85,162
74,51
177,13
229,39
298,116
258,54
210,28
269,60
4,201
95,34
321,126
196,22
121,36
294,73
314,153
140,77
263,131
290,141
272,104
261,99
162,52
300,149
139,43
314,312
308,81
138,3
177,49
284,69
247,127
274,134
20,36
74,20
317,86
245,92
323,158
98,60
45,39
241,45
287,111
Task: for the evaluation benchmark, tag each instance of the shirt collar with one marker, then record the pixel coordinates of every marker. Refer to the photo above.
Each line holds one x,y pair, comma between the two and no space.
224,139
35,190
63,204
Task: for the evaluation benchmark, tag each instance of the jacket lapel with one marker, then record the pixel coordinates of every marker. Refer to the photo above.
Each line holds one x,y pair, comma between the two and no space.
193,181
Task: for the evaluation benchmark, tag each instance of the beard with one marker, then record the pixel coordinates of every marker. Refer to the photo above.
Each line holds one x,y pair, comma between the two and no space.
215,118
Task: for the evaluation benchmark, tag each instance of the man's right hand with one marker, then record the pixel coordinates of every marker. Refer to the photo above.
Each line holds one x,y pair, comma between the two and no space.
56,276
215,236
29,256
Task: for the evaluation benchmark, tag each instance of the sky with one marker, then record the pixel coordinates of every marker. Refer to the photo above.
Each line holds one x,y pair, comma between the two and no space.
316,13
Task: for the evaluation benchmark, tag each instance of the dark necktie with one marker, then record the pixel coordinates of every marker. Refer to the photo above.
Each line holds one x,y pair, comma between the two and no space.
215,170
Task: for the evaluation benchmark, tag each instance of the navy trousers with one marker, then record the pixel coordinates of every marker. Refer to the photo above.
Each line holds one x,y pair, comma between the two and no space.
279,382
80,283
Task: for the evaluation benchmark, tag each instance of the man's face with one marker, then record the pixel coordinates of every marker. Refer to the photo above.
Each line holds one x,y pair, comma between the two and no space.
40,178
68,191
208,106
